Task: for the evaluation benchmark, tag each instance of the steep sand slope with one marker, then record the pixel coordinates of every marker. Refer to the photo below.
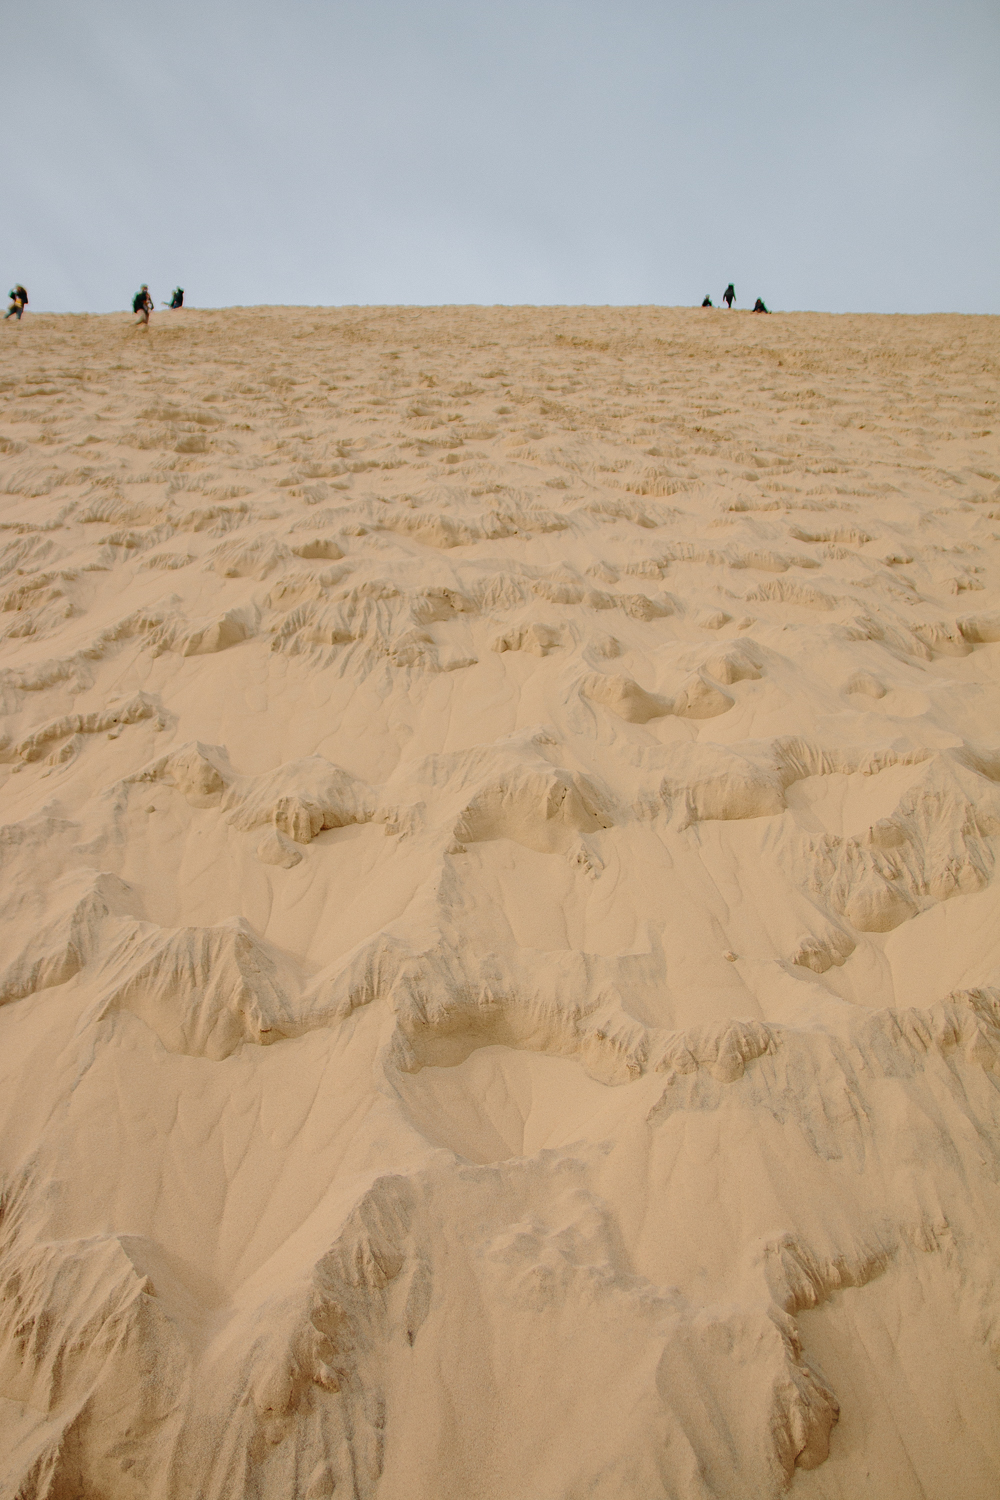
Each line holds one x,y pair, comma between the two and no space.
501,958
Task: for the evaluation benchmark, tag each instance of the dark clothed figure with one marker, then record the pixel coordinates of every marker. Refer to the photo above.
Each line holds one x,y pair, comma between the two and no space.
177,300
759,305
142,303
729,295
707,302
18,302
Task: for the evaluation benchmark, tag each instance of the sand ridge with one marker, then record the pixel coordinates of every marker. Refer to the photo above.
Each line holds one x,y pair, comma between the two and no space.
500,985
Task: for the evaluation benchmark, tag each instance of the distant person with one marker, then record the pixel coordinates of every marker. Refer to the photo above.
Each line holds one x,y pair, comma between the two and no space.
729,295
707,302
759,305
142,303
177,300
18,302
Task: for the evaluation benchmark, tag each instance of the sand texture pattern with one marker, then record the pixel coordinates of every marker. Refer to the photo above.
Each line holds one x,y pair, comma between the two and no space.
500,968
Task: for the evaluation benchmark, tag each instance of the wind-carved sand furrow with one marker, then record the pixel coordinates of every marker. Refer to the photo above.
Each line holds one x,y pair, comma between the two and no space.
111,719
386,622
87,1348
203,991
498,937
73,926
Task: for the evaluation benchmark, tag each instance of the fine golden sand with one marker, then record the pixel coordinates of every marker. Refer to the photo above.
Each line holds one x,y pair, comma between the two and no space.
500,964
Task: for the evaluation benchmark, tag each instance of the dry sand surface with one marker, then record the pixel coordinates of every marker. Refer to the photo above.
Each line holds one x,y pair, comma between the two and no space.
500,942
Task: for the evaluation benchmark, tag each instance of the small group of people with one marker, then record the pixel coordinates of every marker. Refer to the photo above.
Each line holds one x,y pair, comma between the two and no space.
142,302
18,302
729,297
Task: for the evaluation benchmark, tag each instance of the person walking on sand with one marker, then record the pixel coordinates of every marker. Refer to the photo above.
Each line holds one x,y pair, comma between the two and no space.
729,295
177,300
18,302
142,303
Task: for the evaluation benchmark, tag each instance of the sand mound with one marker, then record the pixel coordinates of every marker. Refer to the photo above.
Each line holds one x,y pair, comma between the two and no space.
500,989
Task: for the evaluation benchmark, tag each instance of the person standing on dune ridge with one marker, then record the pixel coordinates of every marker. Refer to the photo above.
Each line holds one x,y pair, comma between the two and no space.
729,295
18,302
142,303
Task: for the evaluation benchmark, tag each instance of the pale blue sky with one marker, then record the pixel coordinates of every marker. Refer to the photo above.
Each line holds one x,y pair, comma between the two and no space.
832,154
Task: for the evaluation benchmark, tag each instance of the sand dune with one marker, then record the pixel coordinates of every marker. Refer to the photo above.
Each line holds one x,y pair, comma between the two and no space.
500,980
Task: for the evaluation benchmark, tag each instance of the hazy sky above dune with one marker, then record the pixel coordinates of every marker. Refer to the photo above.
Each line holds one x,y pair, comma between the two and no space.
831,154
